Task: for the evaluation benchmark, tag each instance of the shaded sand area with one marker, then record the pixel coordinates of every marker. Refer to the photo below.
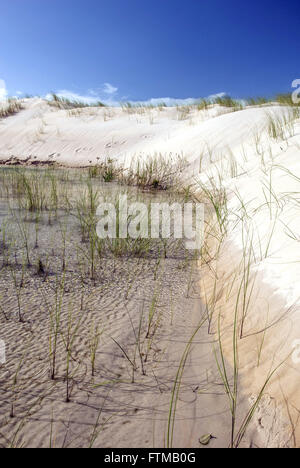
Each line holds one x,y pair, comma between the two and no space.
220,356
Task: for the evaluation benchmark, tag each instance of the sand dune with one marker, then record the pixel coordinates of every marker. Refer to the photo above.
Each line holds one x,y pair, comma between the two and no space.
260,174
220,146
81,136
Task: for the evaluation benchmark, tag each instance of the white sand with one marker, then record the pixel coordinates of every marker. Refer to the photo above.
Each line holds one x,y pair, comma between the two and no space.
47,134
236,152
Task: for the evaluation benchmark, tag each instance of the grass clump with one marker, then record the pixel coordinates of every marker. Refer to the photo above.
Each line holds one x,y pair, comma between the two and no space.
141,108
227,101
203,104
11,107
257,101
106,170
286,99
64,103
283,126
155,172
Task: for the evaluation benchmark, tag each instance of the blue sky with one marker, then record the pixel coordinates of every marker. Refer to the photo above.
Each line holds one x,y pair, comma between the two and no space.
140,49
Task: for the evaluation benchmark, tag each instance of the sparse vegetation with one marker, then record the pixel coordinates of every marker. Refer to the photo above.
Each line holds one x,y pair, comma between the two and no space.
155,172
99,318
10,107
227,101
63,103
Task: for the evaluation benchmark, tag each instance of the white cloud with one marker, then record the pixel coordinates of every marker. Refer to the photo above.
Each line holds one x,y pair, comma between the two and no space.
3,90
212,97
109,89
64,93
168,101
107,94
92,98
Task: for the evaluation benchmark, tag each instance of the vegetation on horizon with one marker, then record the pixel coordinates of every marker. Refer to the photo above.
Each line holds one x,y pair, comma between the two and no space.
64,103
10,107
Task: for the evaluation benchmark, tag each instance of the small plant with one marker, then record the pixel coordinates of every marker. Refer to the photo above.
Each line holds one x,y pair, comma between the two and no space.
18,281
227,101
155,172
55,311
275,128
203,105
258,101
68,338
108,175
95,336
107,170
40,268
177,386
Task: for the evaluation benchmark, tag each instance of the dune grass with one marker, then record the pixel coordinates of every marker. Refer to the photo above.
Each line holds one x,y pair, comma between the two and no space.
177,385
50,195
10,107
154,172
64,103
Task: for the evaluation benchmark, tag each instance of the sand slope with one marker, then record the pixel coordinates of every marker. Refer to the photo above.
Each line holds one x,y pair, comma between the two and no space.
80,137
261,177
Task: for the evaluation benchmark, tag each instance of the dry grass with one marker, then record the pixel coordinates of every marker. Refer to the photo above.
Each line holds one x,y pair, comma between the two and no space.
64,103
11,107
67,293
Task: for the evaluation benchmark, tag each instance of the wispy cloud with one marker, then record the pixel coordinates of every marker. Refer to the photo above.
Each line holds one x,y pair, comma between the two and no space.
212,97
108,94
109,89
64,93
168,101
3,90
